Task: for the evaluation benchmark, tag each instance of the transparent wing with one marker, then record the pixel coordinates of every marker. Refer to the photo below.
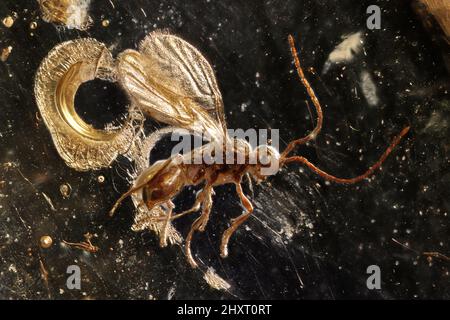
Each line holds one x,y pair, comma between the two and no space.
172,82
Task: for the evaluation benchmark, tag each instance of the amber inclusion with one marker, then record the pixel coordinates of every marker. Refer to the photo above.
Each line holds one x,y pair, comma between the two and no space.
68,13
61,73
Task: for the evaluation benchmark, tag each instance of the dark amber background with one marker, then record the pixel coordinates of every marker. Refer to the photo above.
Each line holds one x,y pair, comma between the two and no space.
353,226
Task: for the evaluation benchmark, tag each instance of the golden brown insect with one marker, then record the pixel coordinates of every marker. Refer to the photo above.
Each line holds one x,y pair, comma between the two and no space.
172,82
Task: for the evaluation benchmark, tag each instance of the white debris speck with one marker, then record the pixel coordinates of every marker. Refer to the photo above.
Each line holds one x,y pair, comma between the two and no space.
49,201
345,51
72,14
215,281
171,293
78,16
369,88
257,76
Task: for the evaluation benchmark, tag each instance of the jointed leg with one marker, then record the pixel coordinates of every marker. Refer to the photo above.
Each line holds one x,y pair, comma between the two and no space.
235,223
206,209
313,97
189,256
250,184
124,196
200,223
195,207
374,167
163,237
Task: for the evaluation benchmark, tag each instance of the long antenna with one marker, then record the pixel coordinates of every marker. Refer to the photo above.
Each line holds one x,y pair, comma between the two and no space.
313,97
284,156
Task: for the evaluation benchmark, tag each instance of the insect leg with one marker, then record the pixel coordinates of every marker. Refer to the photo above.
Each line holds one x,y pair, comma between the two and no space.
313,97
189,256
206,210
199,224
235,223
124,196
374,167
163,237
194,208
250,184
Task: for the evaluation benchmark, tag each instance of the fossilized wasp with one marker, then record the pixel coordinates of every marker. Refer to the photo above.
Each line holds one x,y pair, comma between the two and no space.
172,82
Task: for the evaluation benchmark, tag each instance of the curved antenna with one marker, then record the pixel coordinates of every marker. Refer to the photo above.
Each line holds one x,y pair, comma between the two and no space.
313,98
365,175
284,156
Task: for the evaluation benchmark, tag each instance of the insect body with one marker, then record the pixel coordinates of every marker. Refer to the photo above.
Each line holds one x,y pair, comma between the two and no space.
172,82
166,178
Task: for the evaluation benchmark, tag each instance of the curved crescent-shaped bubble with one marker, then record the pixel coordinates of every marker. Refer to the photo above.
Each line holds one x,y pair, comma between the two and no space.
59,76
